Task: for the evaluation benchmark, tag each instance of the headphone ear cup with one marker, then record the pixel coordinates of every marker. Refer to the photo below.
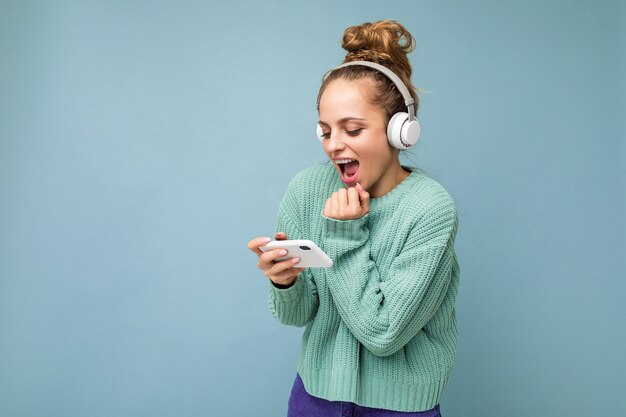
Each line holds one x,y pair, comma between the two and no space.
401,132
394,129
411,133
319,132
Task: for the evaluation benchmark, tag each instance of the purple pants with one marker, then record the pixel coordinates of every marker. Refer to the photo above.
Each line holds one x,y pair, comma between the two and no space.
303,404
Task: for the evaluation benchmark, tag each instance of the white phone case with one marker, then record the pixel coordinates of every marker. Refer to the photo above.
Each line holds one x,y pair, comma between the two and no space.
311,256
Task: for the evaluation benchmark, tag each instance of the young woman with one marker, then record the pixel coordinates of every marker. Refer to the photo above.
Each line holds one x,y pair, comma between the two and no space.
381,332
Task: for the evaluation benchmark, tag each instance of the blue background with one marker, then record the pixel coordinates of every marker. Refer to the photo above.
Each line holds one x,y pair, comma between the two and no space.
142,144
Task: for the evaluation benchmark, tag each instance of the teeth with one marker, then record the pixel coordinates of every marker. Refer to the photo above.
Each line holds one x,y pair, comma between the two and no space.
344,161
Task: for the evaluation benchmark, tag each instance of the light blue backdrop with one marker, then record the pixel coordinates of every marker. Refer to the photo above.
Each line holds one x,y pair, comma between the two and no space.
143,144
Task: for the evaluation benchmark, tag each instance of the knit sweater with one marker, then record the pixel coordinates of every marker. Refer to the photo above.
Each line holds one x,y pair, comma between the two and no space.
381,328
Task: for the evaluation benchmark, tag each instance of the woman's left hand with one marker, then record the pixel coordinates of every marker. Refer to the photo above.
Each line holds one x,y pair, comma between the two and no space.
347,204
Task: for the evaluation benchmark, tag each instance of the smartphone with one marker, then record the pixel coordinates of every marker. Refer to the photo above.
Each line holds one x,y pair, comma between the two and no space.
311,256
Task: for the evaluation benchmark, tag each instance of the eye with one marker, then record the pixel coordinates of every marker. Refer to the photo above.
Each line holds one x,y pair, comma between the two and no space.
325,135
354,132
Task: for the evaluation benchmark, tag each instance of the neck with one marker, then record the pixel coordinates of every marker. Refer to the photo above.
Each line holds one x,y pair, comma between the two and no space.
394,176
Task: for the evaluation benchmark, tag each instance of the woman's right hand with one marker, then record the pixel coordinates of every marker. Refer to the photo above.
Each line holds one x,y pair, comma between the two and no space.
279,272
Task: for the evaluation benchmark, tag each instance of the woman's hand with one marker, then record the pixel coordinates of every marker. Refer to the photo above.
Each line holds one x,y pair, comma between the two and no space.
348,204
281,272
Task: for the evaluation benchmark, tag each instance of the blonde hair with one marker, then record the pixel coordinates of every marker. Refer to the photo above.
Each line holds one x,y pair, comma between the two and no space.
387,43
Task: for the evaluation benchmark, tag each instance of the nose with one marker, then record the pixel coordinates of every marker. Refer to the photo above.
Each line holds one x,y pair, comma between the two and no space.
335,143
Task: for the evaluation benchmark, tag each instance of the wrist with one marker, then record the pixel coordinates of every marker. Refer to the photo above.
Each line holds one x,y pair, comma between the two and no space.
283,286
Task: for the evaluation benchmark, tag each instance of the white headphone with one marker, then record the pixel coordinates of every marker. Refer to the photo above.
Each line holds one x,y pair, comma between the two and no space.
403,129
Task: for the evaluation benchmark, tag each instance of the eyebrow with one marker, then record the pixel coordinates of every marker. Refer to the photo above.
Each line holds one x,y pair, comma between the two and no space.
341,121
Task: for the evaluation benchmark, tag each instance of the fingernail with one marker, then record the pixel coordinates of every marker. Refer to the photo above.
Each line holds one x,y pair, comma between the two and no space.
294,260
282,252
265,240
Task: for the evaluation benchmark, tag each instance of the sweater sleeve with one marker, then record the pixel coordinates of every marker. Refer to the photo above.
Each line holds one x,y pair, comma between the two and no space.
295,305
385,315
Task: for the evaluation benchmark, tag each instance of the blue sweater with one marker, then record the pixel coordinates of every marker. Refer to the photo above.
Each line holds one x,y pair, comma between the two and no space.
381,328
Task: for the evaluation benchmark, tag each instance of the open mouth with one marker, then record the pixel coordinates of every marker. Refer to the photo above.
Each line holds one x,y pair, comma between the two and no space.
348,170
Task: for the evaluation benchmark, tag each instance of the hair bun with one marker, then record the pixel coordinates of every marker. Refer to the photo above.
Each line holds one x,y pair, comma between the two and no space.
384,42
